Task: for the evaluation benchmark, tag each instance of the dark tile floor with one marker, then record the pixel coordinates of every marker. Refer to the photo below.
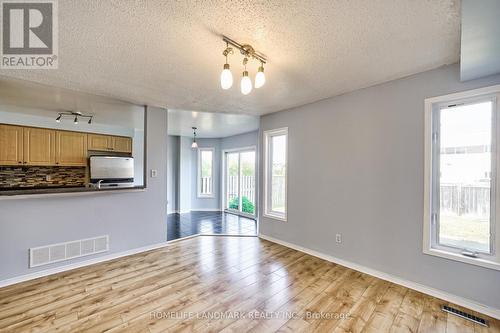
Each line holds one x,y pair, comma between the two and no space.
188,224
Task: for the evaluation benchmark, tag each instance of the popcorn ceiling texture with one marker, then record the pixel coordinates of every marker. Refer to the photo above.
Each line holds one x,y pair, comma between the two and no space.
169,53
36,176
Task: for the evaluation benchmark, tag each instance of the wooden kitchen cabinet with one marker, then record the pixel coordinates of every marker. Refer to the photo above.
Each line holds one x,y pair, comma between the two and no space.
71,148
122,144
39,146
20,145
100,142
11,145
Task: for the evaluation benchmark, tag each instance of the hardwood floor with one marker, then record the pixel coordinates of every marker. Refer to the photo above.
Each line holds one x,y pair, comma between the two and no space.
228,284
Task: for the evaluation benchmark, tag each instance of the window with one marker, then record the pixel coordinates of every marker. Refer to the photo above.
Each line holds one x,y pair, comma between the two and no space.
205,172
461,187
275,174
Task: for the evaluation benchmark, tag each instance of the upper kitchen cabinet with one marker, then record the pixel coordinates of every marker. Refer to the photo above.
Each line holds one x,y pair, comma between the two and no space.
99,142
11,145
71,148
39,146
122,144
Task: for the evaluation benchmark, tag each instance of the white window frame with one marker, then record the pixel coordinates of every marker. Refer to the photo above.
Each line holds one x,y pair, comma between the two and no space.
268,212
224,200
431,214
208,195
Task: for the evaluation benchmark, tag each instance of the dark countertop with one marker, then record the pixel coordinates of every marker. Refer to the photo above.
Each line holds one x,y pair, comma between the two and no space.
67,189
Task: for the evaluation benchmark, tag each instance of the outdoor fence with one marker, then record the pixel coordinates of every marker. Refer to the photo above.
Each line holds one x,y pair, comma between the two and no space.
465,200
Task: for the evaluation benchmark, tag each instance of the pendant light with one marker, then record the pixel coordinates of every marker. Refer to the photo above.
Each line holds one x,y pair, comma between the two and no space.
260,78
194,145
246,82
226,77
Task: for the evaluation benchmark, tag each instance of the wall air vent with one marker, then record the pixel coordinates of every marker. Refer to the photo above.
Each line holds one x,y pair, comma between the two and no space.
48,254
465,315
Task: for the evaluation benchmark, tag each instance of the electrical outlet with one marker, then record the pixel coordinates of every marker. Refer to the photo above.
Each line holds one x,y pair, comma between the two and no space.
338,238
154,173
48,178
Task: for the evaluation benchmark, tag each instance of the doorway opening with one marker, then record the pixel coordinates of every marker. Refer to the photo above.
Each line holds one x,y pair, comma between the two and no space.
240,195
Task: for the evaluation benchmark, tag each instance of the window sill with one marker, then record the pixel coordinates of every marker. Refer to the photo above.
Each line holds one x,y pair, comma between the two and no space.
275,217
458,257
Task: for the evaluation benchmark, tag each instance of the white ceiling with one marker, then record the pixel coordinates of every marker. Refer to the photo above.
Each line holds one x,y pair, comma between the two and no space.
168,53
27,98
210,125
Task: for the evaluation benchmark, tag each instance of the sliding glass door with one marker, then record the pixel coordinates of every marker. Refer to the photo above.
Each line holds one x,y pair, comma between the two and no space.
240,196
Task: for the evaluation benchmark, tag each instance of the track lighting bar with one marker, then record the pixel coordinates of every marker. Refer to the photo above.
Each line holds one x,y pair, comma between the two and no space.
245,49
75,114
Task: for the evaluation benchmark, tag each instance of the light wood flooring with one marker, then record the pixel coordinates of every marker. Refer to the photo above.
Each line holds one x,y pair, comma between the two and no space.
203,284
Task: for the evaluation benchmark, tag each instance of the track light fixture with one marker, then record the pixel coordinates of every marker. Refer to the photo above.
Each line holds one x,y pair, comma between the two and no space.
260,78
246,83
248,52
75,114
226,77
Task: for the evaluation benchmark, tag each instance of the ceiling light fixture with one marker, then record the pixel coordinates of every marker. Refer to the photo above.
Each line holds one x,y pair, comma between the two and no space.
246,82
260,78
75,114
248,52
226,77
194,145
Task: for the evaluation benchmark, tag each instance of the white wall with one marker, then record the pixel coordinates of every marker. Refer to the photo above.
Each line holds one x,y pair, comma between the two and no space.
185,174
356,167
173,174
138,154
240,141
132,220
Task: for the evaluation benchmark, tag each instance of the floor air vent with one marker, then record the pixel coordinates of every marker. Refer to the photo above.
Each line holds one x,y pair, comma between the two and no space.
44,255
465,315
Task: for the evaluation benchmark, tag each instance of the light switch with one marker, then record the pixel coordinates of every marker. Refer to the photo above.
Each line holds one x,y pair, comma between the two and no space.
154,173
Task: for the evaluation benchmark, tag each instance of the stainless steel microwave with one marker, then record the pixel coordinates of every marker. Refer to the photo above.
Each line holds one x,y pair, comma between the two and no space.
112,170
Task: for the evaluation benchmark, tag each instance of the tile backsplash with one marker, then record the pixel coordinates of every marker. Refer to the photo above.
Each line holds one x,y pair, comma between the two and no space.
40,176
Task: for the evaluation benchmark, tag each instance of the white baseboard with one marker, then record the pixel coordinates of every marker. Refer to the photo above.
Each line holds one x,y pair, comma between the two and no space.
466,303
93,261
207,210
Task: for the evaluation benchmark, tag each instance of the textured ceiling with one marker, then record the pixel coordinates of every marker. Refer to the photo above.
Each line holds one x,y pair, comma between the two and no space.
168,53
